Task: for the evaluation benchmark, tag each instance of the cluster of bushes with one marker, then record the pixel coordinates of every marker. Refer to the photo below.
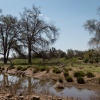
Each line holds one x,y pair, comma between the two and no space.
80,80
56,70
89,74
67,77
79,75
21,68
40,68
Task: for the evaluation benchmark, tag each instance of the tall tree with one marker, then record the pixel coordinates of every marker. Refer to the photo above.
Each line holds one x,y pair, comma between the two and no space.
93,26
8,35
36,34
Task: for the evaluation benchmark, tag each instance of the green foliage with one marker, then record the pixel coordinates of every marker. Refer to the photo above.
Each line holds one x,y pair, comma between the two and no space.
60,80
89,74
66,74
56,70
23,68
35,71
79,74
80,80
19,68
85,60
69,79
40,68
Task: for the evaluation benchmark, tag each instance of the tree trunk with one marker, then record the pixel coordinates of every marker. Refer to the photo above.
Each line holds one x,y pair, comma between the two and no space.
29,55
5,59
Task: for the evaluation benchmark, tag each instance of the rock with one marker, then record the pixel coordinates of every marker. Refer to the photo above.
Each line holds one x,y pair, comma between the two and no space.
21,97
35,98
59,85
9,95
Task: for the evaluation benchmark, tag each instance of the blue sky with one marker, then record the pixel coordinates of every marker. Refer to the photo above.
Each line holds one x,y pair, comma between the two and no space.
68,15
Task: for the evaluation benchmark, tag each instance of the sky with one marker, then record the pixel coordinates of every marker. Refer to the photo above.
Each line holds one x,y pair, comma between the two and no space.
68,15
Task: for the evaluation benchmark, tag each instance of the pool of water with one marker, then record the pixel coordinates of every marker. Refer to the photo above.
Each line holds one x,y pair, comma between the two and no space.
31,85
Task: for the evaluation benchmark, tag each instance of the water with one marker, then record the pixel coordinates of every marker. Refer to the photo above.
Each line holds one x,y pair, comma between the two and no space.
31,85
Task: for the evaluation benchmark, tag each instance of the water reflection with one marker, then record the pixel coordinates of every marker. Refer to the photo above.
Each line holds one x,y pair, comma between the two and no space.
31,85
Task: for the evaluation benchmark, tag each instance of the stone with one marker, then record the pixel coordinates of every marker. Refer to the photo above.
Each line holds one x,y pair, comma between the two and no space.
9,95
35,98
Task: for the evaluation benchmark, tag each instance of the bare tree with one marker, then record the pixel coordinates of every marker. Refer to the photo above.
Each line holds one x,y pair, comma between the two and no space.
93,26
36,34
9,29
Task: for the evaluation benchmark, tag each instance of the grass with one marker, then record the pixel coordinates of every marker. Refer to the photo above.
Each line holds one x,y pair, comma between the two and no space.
69,79
56,70
80,80
79,74
89,74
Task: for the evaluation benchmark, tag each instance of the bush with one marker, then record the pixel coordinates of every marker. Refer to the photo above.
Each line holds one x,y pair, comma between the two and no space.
86,60
69,79
23,68
43,68
19,68
56,70
80,80
60,80
35,71
89,74
66,74
79,74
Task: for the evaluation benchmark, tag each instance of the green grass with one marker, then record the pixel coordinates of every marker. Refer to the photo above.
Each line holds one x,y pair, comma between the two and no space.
79,74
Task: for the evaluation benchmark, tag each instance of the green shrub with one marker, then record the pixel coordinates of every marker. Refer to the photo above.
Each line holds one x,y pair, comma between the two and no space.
23,68
60,80
79,74
43,68
56,70
19,68
80,80
69,79
66,74
86,60
89,74
65,69
35,71
69,69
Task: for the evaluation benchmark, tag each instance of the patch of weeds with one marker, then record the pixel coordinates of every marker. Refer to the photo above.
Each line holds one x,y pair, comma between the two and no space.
69,69
43,68
19,68
65,69
24,68
69,79
60,80
79,74
89,74
80,80
66,74
35,71
56,70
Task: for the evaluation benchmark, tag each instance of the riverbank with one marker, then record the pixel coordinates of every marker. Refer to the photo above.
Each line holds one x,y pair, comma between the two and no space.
9,88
